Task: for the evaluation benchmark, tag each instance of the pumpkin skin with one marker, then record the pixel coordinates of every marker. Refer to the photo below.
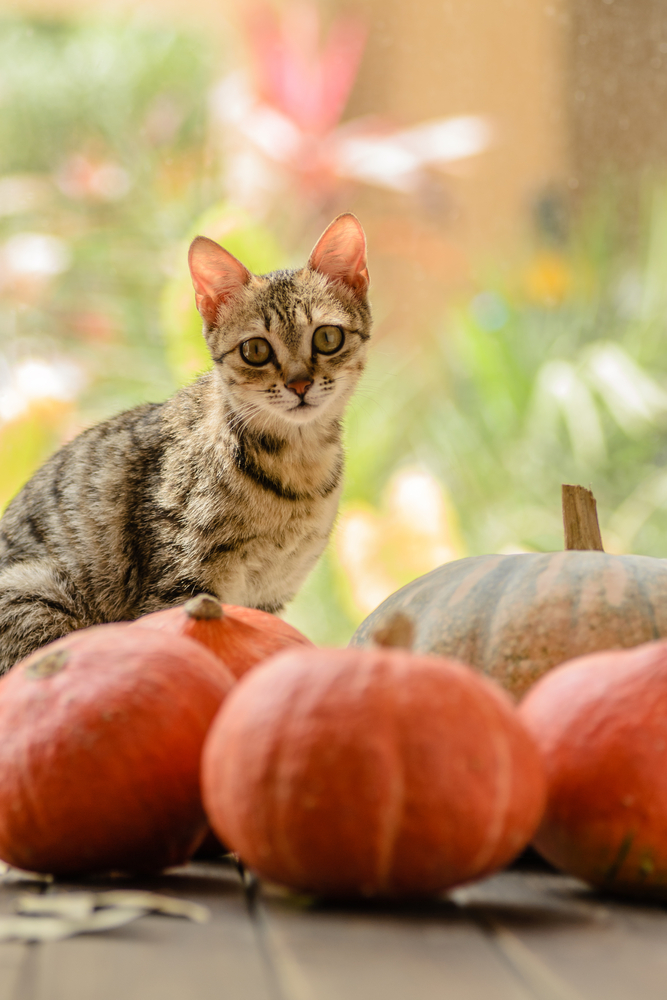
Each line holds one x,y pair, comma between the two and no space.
100,743
370,772
263,620
240,637
515,617
601,724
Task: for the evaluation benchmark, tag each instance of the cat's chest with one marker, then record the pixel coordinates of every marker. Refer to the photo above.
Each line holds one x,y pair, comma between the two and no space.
257,523
267,568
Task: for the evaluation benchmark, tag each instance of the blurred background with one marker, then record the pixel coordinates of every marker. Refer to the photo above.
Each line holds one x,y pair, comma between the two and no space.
508,160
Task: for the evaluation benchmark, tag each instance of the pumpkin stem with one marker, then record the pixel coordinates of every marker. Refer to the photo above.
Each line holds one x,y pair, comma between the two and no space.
580,519
397,631
203,606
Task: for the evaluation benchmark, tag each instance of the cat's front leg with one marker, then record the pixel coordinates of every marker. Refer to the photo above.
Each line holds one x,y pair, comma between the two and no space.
37,605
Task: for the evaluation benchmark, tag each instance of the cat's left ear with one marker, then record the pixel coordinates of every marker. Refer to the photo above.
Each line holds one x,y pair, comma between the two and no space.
216,274
340,254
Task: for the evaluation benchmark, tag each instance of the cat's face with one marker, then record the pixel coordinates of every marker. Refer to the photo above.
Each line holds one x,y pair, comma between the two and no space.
289,347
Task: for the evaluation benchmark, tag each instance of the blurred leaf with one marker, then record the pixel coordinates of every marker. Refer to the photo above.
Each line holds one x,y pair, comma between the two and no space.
324,609
26,442
508,399
67,84
79,905
250,242
45,928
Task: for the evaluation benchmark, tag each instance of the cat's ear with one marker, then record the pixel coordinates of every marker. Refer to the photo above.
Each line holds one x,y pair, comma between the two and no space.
340,254
216,274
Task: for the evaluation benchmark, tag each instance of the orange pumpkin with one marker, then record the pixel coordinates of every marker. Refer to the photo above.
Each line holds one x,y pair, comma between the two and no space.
371,772
514,617
100,742
241,637
601,723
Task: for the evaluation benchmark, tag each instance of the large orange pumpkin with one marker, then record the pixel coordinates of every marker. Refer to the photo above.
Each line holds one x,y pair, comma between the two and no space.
371,772
100,742
516,616
241,637
601,723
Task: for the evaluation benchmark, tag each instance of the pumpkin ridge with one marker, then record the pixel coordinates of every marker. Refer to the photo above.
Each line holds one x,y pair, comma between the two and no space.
648,608
288,774
277,804
492,614
544,581
391,817
262,821
473,578
31,761
614,583
487,592
531,577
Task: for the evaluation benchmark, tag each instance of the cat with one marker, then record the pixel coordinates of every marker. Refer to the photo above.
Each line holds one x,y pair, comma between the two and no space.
230,487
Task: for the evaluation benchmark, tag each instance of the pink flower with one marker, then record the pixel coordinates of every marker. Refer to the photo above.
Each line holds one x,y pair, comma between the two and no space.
306,80
282,124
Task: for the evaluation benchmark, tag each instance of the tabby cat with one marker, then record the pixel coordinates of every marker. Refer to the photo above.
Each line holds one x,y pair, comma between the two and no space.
230,487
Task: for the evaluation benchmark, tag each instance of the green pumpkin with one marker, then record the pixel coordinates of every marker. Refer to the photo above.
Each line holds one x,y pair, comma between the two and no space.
513,617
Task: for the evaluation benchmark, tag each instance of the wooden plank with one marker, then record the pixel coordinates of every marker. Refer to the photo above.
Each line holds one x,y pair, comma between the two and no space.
17,960
158,957
516,936
392,952
567,942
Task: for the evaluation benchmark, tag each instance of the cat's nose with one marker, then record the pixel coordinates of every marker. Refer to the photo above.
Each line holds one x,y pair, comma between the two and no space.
299,385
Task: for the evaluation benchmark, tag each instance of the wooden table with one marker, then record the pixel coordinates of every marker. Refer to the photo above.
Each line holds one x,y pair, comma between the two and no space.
521,935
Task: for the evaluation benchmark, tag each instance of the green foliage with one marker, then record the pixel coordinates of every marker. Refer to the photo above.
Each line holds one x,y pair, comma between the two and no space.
23,444
123,85
103,153
250,242
512,396
567,392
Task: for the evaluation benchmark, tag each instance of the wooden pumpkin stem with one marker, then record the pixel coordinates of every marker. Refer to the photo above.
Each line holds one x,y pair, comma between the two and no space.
580,519
203,606
397,631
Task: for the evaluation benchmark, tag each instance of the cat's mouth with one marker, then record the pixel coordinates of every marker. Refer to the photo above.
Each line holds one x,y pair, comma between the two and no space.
303,410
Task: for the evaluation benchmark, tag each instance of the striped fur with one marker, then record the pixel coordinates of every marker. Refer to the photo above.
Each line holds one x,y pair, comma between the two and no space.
229,487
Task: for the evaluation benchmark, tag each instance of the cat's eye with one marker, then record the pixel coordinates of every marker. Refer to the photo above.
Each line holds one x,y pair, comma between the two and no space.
256,351
327,339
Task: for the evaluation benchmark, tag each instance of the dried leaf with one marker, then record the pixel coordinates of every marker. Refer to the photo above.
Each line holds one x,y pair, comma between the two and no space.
9,874
71,905
78,905
45,928
155,902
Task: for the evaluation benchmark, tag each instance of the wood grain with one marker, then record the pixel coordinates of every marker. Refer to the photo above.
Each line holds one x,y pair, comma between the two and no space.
569,943
157,957
17,961
521,935
365,952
